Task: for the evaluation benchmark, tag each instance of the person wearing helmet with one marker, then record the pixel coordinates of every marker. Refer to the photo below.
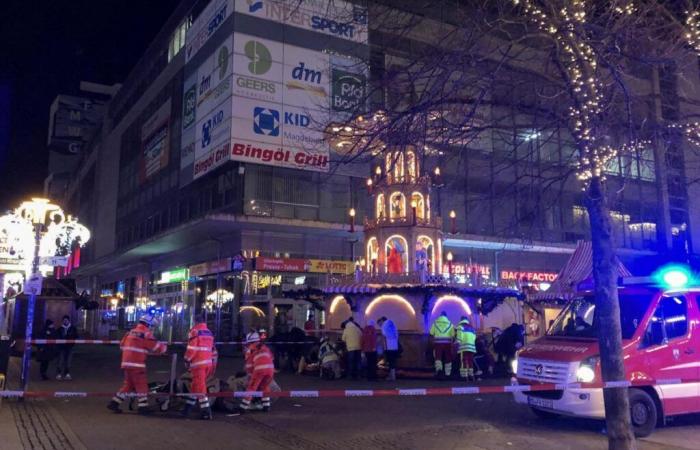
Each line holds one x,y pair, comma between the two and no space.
198,357
466,338
262,370
136,345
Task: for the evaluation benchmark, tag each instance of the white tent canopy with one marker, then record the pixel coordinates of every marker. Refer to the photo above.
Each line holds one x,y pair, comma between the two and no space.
577,269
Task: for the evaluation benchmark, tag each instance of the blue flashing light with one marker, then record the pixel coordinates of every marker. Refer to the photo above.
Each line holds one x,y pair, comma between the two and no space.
673,277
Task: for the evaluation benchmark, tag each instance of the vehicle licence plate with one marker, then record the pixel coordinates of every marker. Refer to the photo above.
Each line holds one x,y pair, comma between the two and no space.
541,402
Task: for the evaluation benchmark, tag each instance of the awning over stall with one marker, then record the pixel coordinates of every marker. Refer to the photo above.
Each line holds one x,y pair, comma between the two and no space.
579,268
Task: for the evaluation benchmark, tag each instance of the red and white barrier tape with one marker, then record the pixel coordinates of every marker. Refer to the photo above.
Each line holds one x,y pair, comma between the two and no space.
116,342
413,392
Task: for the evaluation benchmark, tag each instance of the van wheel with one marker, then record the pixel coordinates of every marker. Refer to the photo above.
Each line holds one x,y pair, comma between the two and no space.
643,412
542,414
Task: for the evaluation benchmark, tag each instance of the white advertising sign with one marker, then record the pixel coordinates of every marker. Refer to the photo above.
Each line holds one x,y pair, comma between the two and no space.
54,261
258,68
213,129
214,78
33,284
337,18
306,77
206,25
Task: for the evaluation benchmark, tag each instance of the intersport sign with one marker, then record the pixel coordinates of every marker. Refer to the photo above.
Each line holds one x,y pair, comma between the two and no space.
339,19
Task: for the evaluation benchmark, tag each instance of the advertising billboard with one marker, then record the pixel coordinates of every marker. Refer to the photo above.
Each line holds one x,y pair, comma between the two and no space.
338,19
155,142
263,101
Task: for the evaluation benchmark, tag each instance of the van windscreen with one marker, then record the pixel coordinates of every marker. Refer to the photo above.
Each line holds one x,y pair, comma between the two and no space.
578,319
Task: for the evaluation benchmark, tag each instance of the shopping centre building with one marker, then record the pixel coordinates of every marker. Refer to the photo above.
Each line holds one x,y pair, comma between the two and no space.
211,184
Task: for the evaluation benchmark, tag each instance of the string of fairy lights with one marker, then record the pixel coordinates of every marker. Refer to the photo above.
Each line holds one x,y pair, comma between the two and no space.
692,29
567,28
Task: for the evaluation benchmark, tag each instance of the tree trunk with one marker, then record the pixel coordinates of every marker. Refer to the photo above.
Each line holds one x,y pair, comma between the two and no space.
617,410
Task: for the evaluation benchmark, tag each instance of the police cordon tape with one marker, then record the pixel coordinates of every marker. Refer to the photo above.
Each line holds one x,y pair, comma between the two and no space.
412,392
116,342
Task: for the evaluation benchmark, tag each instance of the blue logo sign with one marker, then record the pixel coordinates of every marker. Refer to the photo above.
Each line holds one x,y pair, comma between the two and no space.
206,134
266,121
254,5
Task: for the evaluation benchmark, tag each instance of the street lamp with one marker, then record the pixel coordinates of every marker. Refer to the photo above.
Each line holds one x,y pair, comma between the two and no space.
352,219
369,186
42,215
453,222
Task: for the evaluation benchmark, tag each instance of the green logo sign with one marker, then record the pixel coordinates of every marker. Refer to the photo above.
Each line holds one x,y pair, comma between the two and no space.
259,56
173,276
223,62
347,90
189,107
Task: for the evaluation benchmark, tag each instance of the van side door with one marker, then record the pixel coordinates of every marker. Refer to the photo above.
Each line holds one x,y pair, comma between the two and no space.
670,348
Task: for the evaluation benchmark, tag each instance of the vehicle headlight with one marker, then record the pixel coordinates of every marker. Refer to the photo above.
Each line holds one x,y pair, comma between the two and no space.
514,365
586,370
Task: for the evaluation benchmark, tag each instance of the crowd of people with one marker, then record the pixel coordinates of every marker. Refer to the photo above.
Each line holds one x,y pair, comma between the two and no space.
361,347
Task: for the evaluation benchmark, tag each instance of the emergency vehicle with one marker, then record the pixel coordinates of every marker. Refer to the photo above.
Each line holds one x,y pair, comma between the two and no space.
660,318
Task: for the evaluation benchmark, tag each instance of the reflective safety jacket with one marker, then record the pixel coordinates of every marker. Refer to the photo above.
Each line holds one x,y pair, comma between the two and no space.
248,358
327,353
263,361
466,337
442,330
199,346
136,345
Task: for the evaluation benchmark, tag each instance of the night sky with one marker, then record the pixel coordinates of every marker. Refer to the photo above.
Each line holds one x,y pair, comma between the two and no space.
46,48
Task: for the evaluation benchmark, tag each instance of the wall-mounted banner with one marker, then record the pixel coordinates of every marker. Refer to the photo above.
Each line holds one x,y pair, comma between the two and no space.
155,142
539,277
304,265
206,25
338,18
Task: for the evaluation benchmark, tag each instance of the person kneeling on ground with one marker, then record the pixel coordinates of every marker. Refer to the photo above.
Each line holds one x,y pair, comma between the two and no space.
329,360
263,371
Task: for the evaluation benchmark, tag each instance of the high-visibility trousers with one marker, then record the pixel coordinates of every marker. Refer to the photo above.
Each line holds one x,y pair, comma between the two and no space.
134,381
199,386
467,360
259,381
442,351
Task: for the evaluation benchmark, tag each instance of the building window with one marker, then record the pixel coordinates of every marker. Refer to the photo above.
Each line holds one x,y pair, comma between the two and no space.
177,40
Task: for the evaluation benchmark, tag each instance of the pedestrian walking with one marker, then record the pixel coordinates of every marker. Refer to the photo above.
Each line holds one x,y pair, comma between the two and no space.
390,336
369,349
46,352
466,338
263,371
136,345
352,336
443,334
199,360
66,331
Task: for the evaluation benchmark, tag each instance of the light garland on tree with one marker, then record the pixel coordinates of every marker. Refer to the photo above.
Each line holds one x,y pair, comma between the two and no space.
692,32
567,28
691,130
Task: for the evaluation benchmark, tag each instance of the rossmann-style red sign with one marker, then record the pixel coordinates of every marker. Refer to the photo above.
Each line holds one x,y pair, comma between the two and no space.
547,277
281,264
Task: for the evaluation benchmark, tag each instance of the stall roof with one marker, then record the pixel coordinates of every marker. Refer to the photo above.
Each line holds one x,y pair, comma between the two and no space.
577,269
53,289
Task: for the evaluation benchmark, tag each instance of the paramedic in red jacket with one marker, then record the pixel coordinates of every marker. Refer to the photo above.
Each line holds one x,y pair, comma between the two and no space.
199,359
263,370
136,345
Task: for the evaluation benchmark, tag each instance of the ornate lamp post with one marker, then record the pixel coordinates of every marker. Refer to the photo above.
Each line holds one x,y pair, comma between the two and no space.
42,214
38,228
453,223
449,264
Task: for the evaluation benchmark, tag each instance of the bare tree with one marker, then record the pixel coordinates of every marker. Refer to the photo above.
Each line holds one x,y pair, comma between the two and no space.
566,65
